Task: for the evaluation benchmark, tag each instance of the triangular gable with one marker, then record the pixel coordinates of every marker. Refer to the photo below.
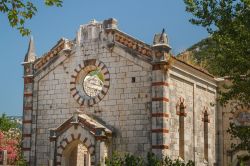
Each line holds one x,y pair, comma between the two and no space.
93,126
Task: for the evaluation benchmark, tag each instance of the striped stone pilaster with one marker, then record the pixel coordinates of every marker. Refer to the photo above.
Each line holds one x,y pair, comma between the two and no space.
160,112
27,111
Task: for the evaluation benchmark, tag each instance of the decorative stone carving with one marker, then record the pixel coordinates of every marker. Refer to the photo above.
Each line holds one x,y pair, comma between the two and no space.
90,82
181,107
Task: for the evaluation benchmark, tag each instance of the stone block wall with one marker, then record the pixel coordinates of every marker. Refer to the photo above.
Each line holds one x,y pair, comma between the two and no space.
125,108
181,89
197,97
143,105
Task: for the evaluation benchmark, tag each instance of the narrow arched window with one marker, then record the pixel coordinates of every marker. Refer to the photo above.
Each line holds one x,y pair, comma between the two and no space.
180,110
206,121
181,131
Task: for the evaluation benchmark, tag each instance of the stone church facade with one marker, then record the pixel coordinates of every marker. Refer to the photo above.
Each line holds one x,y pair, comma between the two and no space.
107,91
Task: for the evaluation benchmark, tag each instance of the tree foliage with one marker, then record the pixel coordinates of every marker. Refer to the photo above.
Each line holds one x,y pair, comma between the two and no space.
6,124
226,52
19,11
10,140
241,133
228,48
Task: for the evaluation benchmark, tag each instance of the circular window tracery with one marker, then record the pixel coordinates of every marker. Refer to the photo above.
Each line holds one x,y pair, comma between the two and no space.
93,83
90,82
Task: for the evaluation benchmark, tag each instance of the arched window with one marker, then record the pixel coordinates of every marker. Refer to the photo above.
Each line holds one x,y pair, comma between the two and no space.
181,112
206,121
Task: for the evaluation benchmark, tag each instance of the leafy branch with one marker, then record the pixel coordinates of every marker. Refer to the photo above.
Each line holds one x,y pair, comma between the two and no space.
19,11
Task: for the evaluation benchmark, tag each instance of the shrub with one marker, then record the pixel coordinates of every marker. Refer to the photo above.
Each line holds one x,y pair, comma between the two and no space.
152,160
10,140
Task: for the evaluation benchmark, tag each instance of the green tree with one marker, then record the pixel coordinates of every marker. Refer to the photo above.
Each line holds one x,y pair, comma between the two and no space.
18,11
10,140
228,22
242,133
114,160
227,51
153,160
132,160
6,124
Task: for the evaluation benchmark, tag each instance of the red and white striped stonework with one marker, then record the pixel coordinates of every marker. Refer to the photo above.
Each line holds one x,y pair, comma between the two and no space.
27,111
160,113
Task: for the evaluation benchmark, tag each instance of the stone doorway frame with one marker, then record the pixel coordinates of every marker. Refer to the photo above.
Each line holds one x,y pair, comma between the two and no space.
83,128
65,155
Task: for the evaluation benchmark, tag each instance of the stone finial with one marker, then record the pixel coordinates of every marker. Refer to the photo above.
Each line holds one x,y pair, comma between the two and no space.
161,40
161,48
30,55
110,23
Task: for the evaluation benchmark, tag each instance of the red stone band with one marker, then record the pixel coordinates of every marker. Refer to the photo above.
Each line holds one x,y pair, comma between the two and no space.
27,108
28,80
27,121
165,115
160,99
100,137
160,84
163,130
159,146
26,94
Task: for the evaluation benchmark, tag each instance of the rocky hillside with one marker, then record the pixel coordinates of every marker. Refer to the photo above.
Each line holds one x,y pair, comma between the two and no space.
198,55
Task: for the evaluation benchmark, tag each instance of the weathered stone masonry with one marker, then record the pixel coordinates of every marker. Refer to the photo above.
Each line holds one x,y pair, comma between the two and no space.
28,99
142,95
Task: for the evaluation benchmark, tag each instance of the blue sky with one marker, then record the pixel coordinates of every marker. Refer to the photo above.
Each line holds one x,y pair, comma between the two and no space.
139,18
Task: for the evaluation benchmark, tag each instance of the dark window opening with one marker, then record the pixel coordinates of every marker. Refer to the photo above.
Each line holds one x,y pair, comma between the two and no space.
133,79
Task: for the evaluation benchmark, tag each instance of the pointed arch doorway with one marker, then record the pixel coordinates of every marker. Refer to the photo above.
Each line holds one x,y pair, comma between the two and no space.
79,141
